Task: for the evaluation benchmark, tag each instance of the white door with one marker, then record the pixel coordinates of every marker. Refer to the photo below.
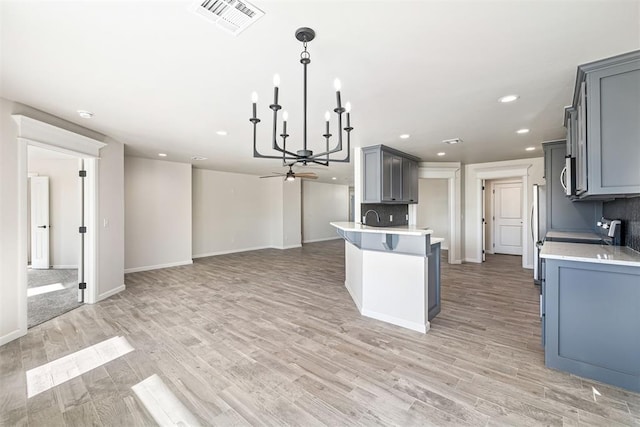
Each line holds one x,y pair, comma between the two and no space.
39,222
507,227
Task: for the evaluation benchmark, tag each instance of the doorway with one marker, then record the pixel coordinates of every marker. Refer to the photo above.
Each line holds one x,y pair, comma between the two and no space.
504,216
54,213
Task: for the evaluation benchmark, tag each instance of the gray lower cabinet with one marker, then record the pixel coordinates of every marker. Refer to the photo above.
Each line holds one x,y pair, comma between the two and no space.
389,176
591,323
603,125
433,290
562,214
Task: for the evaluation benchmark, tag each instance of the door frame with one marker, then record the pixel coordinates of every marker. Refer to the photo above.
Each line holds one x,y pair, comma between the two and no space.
451,172
41,134
493,172
492,209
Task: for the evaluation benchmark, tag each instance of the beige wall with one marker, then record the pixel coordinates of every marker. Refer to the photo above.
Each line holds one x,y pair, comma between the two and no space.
321,204
433,207
157,214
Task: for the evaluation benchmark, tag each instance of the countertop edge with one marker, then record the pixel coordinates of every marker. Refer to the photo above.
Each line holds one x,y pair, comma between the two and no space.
359,228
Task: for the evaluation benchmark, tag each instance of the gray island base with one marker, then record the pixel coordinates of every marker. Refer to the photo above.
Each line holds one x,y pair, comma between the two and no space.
393,273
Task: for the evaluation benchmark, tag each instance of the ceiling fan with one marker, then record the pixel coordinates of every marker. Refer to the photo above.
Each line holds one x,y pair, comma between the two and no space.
291,175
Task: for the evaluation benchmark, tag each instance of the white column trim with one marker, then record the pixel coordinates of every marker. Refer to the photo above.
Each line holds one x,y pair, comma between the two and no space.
451,172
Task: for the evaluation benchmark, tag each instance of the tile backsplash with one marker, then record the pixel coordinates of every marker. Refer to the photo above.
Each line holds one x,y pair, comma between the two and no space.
385,211
627,210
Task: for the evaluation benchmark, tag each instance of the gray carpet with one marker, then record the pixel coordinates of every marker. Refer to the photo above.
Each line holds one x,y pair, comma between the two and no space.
46,306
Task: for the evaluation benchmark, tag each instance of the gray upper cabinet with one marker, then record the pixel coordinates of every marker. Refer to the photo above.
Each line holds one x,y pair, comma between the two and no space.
389,176
562,213
603,126
409,180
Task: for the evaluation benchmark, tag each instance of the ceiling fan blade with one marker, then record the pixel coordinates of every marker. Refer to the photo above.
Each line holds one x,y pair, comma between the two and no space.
307,174
272,176
306,177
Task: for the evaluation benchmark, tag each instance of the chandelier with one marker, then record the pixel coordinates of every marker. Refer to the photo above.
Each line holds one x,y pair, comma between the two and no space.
304,156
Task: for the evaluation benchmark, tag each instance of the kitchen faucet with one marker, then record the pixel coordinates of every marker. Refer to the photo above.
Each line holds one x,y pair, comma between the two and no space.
364,217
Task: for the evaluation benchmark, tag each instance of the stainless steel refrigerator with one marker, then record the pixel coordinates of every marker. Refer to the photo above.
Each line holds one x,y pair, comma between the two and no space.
538,229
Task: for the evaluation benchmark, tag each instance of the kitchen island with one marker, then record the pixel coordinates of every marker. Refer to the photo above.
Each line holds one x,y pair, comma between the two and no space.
393,273
590,311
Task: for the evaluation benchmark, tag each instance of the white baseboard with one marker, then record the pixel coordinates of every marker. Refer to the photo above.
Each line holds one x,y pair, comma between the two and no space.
476,260
396,321
158,266
230,251
324,239
13,335
110,293
64,267
456,261
287,247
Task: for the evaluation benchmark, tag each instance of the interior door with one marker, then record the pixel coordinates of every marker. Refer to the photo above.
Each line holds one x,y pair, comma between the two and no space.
507,229
40,222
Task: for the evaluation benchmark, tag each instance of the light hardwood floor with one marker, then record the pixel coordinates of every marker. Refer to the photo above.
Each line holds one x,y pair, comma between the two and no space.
272,338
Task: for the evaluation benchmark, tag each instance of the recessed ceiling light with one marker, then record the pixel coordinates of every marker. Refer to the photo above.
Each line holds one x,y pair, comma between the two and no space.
508,98
85,114
162,154
530,148
452,141
522,131
442,153
197,158
222,132
405,136
334,178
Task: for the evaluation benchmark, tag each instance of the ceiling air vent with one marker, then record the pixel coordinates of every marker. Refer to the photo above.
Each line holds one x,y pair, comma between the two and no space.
233,16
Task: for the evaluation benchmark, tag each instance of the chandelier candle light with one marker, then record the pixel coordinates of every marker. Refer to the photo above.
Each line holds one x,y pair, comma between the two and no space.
304,156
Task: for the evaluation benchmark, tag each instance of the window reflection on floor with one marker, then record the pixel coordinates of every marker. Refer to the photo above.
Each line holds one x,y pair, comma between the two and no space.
75,364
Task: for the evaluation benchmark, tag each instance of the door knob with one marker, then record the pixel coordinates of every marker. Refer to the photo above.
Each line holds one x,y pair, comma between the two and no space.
42,226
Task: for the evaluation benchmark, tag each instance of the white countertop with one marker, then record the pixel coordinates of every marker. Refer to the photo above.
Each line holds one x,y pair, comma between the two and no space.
572,235
408,230
585,252
436,240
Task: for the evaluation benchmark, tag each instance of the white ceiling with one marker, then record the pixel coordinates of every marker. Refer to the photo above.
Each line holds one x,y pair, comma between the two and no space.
161,79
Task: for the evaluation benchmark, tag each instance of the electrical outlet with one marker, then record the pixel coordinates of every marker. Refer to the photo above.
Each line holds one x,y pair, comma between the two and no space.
390,218
406,217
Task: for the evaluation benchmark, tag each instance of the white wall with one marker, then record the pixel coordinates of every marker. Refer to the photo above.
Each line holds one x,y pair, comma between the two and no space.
433,207
64,208
157,215
472,196
321,204
10,298
111,222
13,255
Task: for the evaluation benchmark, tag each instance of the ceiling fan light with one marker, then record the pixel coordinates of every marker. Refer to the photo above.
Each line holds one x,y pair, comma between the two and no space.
290,178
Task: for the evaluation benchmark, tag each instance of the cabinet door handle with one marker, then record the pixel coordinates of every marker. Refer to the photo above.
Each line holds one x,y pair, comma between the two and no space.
563,177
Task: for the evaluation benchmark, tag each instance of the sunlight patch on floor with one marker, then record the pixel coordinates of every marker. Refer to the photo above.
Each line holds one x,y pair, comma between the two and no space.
165,408
75,364
31,292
